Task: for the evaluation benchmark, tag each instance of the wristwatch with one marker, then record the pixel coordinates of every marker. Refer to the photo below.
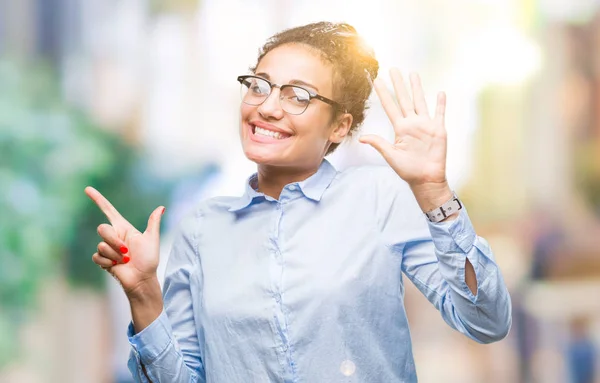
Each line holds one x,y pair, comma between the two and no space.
440,213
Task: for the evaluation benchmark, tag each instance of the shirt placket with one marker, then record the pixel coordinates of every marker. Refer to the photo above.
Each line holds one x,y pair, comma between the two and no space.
276,268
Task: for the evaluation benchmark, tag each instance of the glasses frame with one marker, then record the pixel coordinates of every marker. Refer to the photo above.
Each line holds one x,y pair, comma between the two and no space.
311,95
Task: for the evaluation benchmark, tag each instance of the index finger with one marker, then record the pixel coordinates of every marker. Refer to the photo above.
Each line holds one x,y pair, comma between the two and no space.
107,208
387,101
406,104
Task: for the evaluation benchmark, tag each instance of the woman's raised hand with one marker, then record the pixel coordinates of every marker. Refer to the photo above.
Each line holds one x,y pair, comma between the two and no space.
418,153
129,255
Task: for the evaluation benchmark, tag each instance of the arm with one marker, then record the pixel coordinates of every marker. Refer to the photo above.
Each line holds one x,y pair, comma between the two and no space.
436,262
429,197
435,257
167,349
448,262
161,353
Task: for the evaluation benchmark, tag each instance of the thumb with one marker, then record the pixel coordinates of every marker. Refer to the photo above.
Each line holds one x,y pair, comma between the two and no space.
154,221
379,143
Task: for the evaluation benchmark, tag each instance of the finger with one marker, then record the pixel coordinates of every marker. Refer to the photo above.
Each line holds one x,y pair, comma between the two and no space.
110,236
406,104
102,261
387,101
107,208
418,95
108,252
440,109
379,143
154,221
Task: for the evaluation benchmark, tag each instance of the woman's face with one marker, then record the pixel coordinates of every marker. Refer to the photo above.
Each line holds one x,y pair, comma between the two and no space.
303,139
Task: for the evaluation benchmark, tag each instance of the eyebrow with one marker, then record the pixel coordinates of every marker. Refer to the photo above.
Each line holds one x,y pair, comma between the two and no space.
292,82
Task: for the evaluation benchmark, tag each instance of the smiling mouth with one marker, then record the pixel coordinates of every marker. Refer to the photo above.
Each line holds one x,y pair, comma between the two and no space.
262,132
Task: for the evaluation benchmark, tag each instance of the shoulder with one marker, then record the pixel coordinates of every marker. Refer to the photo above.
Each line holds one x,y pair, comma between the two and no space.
379,178
383,189
217,205
187,231
197,213
207,209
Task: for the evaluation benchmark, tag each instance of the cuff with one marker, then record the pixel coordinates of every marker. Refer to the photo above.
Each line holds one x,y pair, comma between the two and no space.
457,235
454,242
152,341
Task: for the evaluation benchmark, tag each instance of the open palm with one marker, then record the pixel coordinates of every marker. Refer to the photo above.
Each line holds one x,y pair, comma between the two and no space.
418,153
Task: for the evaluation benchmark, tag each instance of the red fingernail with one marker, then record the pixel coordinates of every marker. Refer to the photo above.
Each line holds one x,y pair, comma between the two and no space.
114,262
125,259
123,250
163,211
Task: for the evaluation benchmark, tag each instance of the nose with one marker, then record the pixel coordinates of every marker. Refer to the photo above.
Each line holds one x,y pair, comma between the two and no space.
271,107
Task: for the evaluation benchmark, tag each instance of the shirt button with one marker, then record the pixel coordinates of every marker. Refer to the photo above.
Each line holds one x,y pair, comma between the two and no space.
278,297
285,347
293,187
347,368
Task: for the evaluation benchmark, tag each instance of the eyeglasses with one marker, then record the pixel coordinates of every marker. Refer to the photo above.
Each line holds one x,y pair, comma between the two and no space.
292,98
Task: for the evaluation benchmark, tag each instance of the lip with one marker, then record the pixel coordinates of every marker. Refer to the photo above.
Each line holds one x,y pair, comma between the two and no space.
268,126
266,139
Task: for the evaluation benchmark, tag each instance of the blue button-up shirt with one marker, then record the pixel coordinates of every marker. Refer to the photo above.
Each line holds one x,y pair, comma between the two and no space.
309,288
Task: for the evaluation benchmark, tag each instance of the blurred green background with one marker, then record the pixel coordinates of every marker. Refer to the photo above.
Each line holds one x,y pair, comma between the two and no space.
49,151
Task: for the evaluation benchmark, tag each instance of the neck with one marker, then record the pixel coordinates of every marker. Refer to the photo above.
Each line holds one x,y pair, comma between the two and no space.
272,179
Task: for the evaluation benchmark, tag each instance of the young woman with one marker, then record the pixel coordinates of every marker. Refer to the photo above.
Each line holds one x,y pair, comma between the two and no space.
300,279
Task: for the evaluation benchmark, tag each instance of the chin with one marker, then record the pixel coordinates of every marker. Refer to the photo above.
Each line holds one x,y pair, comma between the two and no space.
261,157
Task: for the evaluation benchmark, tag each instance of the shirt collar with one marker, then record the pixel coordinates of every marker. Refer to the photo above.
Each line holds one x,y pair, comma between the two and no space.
313,187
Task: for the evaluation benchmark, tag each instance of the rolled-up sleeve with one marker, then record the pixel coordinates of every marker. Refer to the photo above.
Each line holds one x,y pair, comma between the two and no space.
434,258
168,350
436,265
150,345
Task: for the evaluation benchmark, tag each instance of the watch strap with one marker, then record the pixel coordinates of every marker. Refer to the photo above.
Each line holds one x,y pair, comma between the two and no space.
440,213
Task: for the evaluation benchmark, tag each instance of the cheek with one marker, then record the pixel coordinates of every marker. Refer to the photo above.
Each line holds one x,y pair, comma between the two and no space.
245,111
316,125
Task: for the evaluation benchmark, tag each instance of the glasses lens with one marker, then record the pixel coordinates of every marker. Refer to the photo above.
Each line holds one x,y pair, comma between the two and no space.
254,90
294,100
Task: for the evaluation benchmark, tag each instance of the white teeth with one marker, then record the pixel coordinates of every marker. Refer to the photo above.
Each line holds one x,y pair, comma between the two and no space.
268,133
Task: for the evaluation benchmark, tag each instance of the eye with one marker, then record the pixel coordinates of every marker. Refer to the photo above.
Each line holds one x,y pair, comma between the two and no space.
255,88
299,100
296,95
258,87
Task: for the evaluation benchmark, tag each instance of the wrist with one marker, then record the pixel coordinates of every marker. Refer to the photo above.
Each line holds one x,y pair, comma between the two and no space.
146,303
431,195
145,291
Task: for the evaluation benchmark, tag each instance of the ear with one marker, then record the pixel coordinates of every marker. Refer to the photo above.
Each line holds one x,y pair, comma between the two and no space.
341,128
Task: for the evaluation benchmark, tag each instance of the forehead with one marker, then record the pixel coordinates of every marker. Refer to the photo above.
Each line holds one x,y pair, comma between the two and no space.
297,62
